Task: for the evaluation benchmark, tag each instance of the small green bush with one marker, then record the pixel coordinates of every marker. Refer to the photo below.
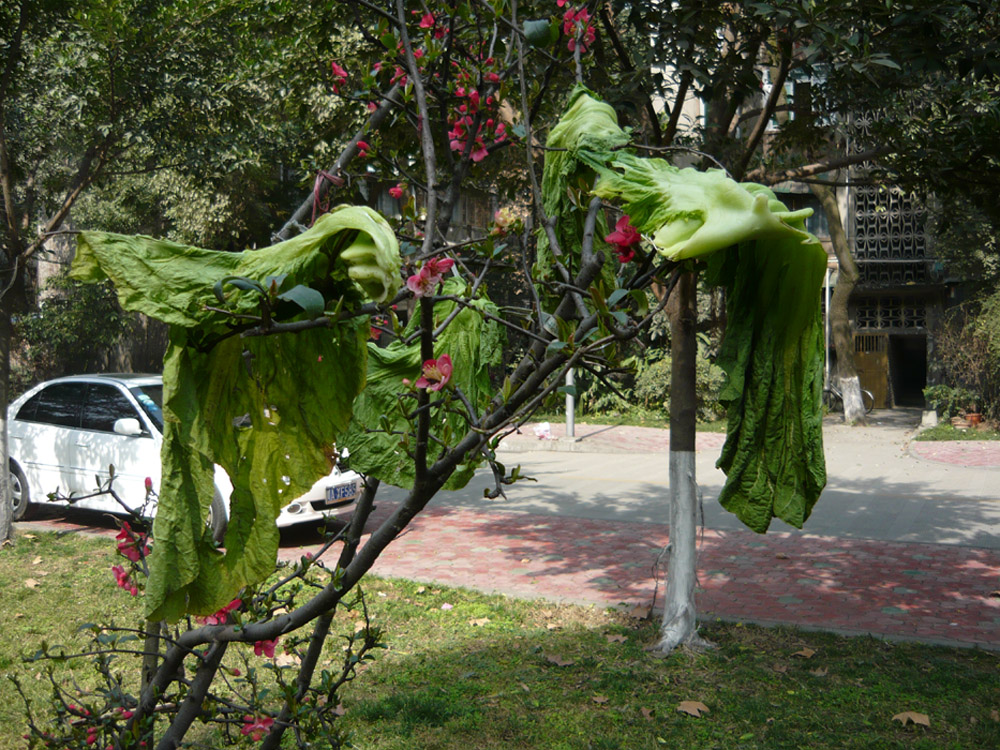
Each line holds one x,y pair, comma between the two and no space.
949,401
652,386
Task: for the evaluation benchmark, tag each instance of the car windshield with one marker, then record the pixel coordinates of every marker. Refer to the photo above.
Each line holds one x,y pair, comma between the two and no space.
150,398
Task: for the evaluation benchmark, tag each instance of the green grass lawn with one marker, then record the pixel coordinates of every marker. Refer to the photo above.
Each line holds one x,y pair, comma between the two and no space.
946,431
492,672
637,418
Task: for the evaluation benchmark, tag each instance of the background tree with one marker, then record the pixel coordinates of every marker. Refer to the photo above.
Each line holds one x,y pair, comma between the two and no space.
192,119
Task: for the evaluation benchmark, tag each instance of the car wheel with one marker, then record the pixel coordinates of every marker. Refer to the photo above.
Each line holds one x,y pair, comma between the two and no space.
19,491
217,519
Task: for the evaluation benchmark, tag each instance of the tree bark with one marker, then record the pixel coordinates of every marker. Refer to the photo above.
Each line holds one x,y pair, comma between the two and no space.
679,614
845,373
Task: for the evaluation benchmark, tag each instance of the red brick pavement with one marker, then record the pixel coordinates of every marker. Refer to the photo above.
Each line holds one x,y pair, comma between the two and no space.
958,452
926,592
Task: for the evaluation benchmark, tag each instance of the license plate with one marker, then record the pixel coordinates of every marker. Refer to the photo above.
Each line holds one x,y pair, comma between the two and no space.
340,492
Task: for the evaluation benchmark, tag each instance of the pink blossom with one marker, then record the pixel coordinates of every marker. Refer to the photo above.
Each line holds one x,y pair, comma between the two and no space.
265,648
624,238
427,22
149,484
339,76
256,726
436,373
396,191
131,545
220,617
429,277
479,153
363,148
123,580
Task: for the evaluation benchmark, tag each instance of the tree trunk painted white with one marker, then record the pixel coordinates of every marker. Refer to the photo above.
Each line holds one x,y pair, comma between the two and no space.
679,613
854,408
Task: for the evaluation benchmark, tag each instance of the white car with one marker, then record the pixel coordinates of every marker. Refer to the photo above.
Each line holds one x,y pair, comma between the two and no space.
64,434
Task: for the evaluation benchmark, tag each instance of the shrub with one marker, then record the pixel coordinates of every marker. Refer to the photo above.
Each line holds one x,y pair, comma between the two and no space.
949,401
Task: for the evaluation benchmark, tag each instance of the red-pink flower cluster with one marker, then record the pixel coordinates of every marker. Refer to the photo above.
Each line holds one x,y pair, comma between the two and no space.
624,238
426,281
131,545
220,617
436,373
256,726
576,23
123,580
265,648
396,191
492,130
339,76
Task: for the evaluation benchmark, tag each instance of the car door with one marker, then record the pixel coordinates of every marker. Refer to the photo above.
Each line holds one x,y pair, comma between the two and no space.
134,456
43,438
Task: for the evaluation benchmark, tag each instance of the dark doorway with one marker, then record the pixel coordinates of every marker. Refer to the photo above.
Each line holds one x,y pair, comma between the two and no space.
908,368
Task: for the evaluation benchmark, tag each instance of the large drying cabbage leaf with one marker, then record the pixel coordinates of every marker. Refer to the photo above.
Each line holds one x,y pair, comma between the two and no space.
772,352
584,138
269,410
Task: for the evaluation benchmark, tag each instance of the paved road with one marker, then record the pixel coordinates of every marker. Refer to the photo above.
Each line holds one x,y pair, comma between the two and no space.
877,489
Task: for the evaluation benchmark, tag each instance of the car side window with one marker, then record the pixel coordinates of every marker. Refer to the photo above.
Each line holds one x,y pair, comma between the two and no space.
58,404
105,405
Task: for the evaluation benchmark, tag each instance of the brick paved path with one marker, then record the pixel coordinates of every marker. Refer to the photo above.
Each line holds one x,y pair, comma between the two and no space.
927,592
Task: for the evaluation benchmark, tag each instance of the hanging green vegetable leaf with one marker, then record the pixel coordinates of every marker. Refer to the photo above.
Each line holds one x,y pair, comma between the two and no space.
268,409
772,352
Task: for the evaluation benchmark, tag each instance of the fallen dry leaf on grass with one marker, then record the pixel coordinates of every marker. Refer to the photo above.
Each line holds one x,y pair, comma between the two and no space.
480,622
524,687
639,611
422,589
912,717
806,653
558,660
600,699
780,668
694,708
286,660
647,713
820,672
28,536
995,715
339,710
31,583
616,638
36,561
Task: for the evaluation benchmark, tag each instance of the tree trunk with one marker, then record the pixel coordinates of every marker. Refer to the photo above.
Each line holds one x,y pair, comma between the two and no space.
845,373
679,614
6,500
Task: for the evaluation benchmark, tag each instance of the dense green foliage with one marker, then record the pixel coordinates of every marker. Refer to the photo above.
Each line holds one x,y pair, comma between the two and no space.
71,331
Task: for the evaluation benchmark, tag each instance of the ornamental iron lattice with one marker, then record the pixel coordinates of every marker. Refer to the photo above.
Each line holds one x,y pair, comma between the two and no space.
881,313
888,225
